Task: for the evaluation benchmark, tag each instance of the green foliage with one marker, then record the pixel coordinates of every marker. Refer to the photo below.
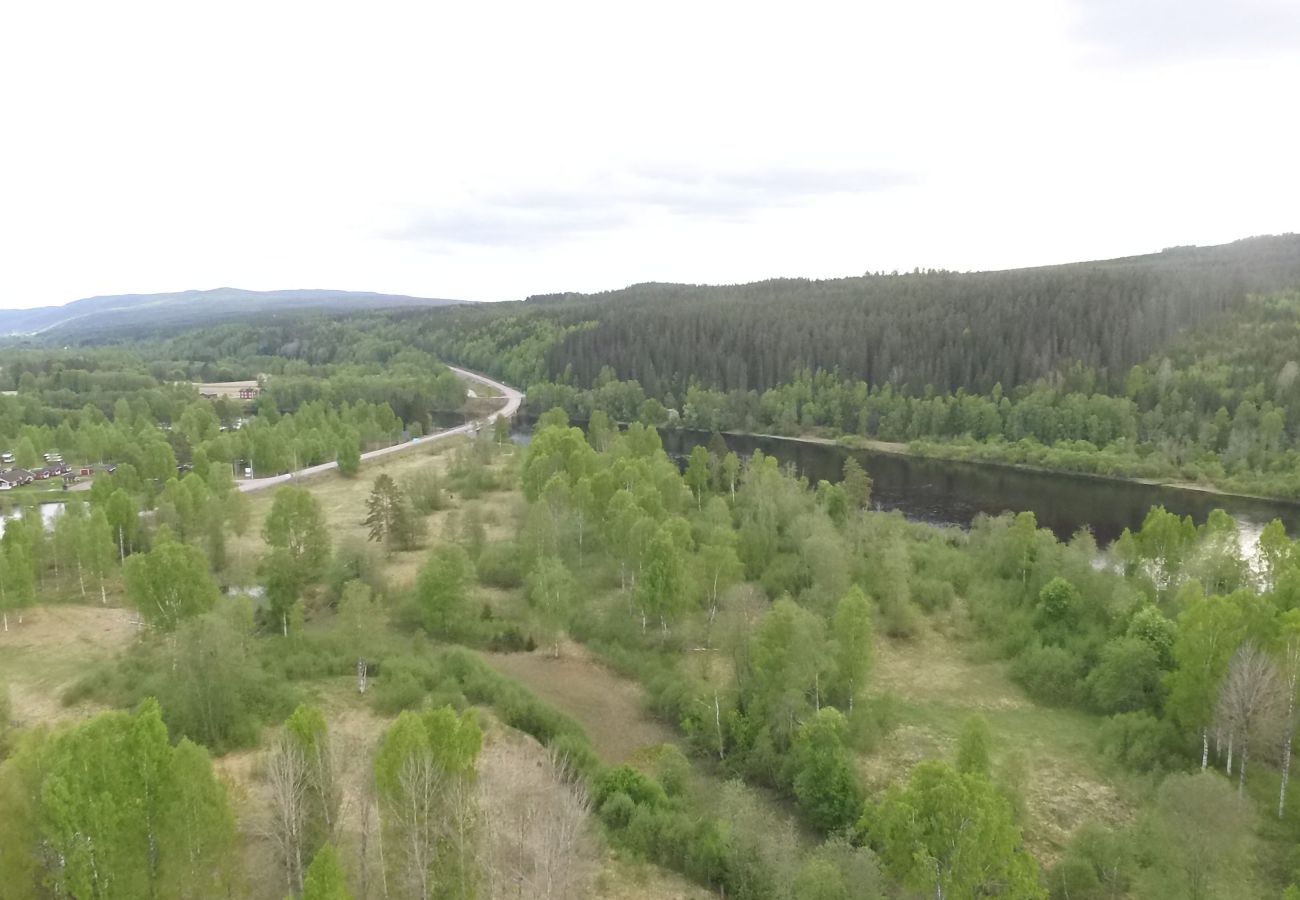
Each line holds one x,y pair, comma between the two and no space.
501,564
348,454
325,878
424,491
1050,675
551,593
442,591
1127,677
951,835
824,778
1198,839
170,583
390,518
147,819
1140,742
296,524
974,747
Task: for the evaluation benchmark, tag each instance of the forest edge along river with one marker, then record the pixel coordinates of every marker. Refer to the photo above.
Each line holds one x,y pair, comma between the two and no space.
954,492
936,491
951,492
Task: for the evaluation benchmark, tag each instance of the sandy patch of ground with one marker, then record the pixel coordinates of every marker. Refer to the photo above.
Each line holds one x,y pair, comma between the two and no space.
229,389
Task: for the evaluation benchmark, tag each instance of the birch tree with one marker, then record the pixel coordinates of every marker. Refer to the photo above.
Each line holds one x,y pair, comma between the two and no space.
1290,673
854,639
97,551
424,774
17,575
1251,704
551,590
1209,631
289,784
307,727
170,583
951,835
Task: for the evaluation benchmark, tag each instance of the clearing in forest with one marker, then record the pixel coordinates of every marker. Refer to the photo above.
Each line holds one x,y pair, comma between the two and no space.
51,649
937,687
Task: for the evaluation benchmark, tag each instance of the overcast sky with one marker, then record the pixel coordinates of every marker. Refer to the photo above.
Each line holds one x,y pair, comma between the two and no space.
488,151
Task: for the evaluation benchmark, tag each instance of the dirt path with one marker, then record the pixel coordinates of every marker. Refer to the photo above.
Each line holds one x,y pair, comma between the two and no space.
609,707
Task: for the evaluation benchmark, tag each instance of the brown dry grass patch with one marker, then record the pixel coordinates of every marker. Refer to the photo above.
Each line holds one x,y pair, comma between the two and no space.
610,708
52,648
938,687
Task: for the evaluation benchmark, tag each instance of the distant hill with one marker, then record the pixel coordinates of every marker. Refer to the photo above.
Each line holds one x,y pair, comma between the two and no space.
131,311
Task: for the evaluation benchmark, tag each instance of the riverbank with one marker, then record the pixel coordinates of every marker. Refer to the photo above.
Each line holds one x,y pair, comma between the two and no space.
961,453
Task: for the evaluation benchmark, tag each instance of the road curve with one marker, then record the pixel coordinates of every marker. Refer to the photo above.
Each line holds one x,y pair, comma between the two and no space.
513,400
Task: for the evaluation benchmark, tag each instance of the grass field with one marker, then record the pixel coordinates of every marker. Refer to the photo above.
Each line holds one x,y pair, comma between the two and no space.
938,686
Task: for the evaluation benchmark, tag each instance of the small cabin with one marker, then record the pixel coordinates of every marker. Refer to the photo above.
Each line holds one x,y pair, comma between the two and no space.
248,393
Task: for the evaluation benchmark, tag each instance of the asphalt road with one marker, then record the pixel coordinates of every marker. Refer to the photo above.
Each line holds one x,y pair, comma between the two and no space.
513,400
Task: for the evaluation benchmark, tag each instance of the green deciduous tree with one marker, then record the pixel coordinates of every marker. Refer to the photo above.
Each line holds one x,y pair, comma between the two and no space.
170,583
854,638
296,524
1209,632
442,590
112,811
661,589
325,878
952,836
551,592
424,776
856,483
348,454
1199,838
823,775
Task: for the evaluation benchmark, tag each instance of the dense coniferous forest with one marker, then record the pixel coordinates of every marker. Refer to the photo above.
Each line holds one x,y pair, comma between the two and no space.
938,330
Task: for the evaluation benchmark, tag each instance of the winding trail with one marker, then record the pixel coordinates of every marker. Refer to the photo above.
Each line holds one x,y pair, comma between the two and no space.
513,400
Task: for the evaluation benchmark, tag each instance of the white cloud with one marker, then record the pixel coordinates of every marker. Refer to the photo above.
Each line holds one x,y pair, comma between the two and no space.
493,150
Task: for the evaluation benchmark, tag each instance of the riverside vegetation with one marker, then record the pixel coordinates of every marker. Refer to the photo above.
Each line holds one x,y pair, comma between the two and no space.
762,617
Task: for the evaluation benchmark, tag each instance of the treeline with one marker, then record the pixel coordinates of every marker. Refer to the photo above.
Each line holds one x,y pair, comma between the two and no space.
110,406
1222,405
941,330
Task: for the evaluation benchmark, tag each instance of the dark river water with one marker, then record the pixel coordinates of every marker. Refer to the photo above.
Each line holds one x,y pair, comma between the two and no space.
952,493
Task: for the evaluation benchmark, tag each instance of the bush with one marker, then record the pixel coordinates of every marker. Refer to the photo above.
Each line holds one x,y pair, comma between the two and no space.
932,595
396,691
501,565
424,490
1050,675
1127,677
1140,742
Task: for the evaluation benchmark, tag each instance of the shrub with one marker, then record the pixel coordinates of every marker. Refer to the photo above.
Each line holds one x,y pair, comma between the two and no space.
501,565
1139,741
932,595
424,490
1049,674
396,691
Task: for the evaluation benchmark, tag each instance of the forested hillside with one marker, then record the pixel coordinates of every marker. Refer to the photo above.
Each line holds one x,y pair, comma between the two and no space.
942,330
1179,365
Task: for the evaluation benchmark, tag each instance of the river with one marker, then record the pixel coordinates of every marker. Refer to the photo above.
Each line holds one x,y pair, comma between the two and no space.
947,492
